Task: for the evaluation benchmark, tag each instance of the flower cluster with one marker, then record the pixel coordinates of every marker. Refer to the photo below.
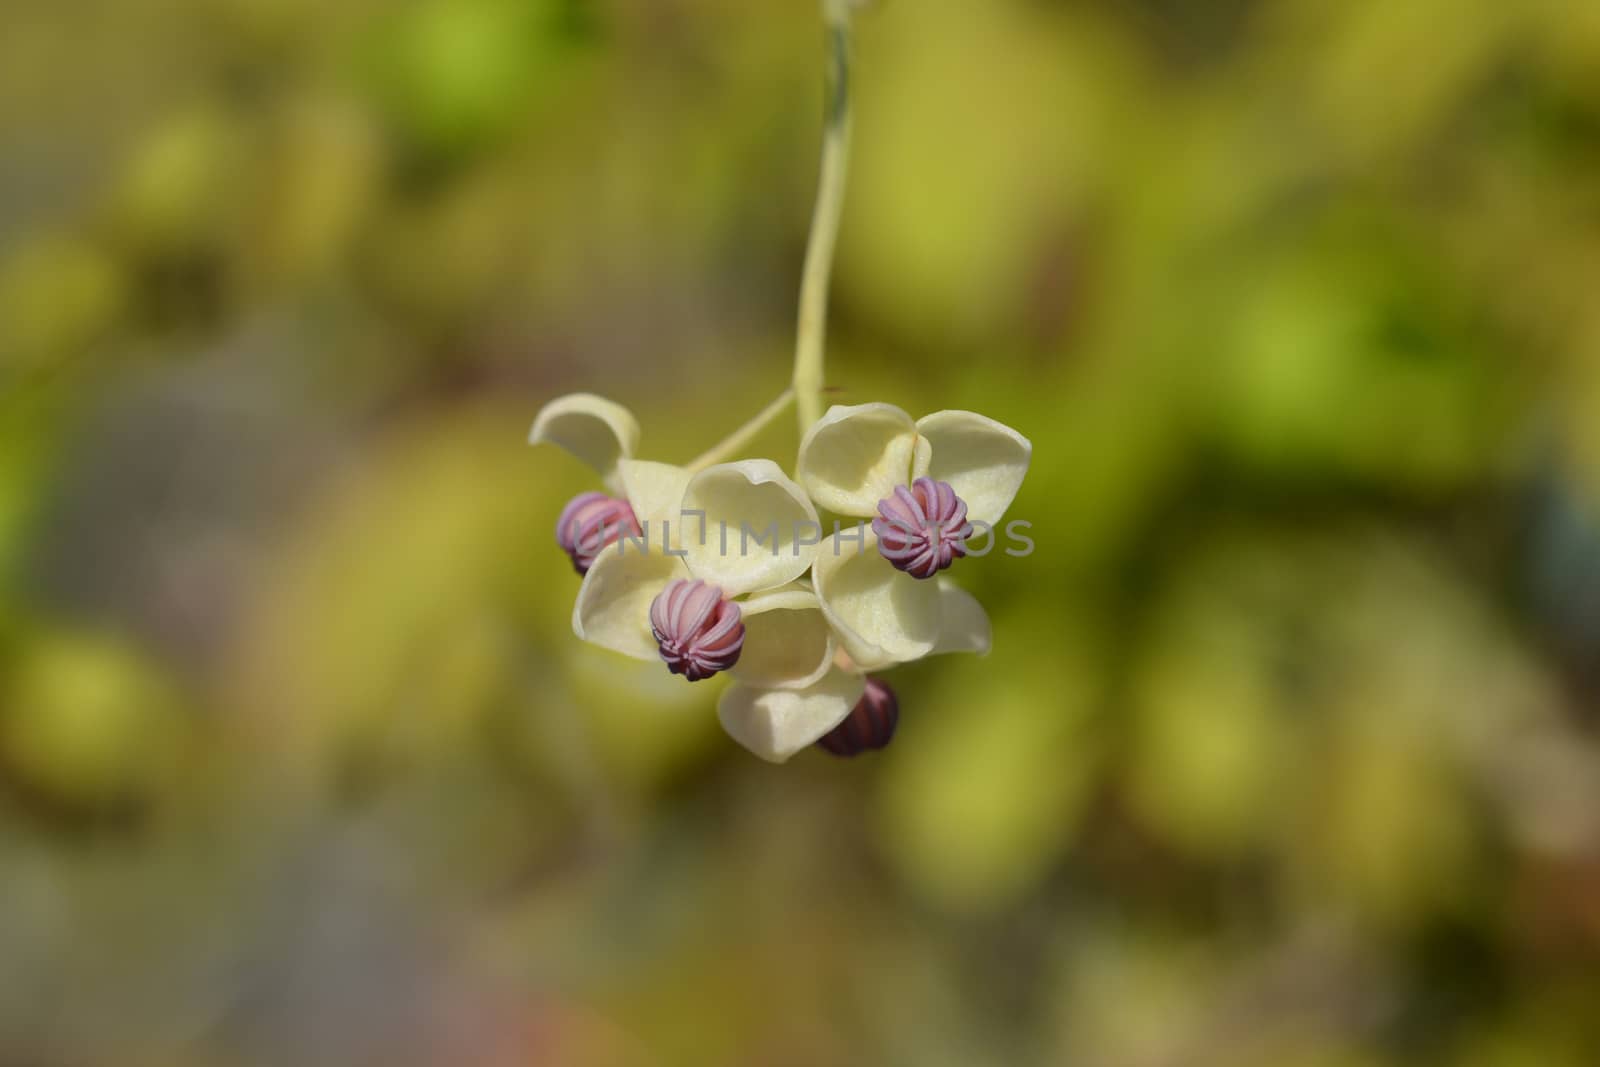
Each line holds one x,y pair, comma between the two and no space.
796,615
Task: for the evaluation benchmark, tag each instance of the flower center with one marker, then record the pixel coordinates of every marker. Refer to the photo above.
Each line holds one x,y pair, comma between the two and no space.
589,523
922,529
699,632
870,724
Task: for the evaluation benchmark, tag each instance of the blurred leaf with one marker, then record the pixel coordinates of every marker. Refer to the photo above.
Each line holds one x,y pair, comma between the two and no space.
58,295
389,616
87,723
177,190
988,775
961,160
1215,747
319,183
455,75
1344,362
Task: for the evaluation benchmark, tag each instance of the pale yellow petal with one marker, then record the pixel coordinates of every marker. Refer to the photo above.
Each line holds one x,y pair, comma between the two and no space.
983,460
963,624
596,430
854,457
613,605
777,723
761,529
787,642
655,492
880,615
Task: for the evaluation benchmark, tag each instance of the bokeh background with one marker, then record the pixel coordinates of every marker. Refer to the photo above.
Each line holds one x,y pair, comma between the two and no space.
1286,755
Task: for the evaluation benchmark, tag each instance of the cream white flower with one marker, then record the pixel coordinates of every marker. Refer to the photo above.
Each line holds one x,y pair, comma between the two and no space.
598,431
707,571
702,610
846,711
855,457
644,496
925,480
775,724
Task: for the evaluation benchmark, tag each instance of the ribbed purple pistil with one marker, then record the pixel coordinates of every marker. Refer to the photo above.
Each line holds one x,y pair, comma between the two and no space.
699,632
589,523
922,529
870,724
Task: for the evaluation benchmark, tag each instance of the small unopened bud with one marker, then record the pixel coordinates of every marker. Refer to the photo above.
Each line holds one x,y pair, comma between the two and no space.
922,529
699,632
870,724
591,522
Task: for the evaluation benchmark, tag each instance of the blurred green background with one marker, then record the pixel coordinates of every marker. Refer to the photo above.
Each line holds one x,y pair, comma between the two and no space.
1286,755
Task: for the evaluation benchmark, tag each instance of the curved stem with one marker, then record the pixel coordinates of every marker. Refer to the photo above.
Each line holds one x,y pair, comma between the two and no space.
729,446
813,326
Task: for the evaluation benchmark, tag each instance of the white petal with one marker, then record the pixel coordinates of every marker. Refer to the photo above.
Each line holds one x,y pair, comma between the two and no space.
882,616
777,723
613,605
963,624
761,531
655,492
596,430
787,643
983,460
921,459
854,457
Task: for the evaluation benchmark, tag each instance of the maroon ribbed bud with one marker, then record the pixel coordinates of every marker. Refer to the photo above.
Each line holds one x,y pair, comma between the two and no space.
699,632
923,529
589,523
870,724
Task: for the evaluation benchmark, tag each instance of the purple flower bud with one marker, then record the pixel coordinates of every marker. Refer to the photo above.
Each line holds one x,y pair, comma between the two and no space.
923,529
870,724
589,523
699,632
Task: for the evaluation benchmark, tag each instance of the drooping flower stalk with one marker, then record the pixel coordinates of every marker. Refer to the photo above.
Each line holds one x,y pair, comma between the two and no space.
811,337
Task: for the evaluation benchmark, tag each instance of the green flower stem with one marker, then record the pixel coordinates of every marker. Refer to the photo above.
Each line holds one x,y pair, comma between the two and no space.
731,445
813,326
